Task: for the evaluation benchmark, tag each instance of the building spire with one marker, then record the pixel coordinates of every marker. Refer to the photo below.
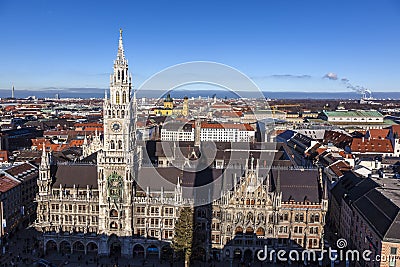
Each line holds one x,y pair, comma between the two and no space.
121,54
45,161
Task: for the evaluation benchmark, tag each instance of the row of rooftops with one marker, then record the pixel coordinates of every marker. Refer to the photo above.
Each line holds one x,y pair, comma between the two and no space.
376,200
371,141
15,175
297,185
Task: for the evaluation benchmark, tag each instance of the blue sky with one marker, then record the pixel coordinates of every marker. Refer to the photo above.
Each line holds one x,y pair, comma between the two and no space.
283,45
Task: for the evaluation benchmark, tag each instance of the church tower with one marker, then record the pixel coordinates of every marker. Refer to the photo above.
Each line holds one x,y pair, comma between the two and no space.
115,160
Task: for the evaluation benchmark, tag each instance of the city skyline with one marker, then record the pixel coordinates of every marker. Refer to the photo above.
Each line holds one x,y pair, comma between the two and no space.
287,46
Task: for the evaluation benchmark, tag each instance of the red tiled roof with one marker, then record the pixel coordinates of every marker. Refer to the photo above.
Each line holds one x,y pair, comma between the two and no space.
345,155
231,114
364,145
75,143
396,130
89,124
241,126
340,166
3,155
321,150
7,183
378,133
25,167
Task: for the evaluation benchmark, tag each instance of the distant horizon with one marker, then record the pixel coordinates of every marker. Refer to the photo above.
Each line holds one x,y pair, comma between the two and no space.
86,93
291,45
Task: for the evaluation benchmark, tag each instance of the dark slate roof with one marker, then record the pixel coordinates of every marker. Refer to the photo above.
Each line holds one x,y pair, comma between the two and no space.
173,125
296,184
364,186
285,136
344,185
167,178
380,212
92,158
79,174
393,234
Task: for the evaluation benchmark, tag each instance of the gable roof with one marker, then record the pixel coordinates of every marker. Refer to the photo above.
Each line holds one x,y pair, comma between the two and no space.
378,133
364,145
80,175
380,212
296,184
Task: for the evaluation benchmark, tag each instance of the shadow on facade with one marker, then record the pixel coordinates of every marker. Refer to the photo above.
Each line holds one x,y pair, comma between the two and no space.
136,247
249,248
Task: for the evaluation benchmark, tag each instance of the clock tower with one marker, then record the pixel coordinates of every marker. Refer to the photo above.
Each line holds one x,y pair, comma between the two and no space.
116,159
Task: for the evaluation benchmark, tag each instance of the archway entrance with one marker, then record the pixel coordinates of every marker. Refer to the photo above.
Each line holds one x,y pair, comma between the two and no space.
237,255
167,253
65,247
78,247
152,252
138,251
51,246
115,248
92,248
248,255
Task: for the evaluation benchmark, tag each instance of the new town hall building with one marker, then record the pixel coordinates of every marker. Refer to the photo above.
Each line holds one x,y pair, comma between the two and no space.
99,208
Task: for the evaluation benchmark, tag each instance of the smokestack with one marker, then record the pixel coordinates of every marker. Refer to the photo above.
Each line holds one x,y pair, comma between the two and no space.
12,91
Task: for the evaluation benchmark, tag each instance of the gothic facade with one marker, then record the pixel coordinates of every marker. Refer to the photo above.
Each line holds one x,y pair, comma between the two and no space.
98,208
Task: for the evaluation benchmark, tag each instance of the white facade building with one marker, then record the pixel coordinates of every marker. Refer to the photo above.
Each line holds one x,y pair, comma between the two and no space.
226,132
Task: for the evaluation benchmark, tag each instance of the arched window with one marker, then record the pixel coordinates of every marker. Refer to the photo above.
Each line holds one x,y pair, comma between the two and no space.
119,144
119,75
122,113
112,144
113,213
123,97
260,231
249,230
239,230
123,75
114,225
117,97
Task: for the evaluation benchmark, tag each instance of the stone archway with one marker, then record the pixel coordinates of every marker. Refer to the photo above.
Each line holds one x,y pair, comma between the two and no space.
152,251
138,251
78,247
248,255
51,246
65,247
92,247
167,253
237,254
114,246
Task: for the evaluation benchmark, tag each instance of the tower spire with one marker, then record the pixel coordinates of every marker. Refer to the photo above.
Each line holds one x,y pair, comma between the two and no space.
121,54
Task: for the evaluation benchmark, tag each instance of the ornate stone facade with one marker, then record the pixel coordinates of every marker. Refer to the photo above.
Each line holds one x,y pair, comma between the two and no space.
98,208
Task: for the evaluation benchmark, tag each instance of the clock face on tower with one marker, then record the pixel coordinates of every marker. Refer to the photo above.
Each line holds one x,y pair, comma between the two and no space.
116,127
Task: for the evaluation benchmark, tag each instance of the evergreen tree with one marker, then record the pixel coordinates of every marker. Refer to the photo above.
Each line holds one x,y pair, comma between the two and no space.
182,241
